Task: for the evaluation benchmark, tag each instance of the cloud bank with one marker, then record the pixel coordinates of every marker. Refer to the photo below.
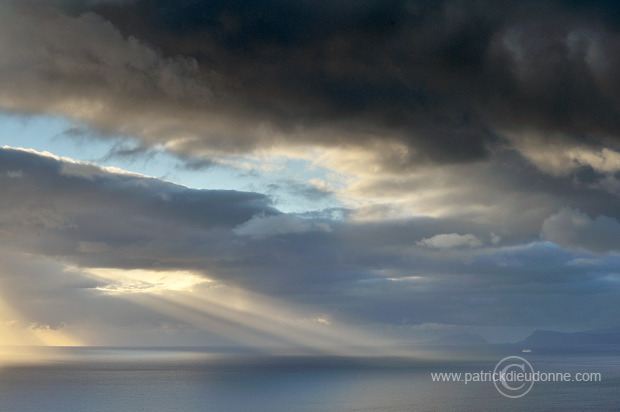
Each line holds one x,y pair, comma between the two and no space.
94,233
442,81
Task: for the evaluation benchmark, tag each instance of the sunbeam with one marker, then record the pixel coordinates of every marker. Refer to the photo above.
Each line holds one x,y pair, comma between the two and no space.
239,316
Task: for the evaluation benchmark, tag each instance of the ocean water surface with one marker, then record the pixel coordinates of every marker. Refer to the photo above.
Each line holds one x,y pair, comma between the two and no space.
143,379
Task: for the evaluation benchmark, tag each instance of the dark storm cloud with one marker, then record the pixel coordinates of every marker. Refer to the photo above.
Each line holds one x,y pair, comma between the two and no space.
445,78
359,65
442,75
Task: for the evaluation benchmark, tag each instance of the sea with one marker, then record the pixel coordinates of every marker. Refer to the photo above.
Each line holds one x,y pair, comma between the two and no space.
208,379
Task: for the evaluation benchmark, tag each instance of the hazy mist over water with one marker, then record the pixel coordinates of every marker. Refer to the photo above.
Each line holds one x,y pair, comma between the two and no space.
130,379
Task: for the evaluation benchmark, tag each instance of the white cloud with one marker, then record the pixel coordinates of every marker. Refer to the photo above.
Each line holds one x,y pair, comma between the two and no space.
450,240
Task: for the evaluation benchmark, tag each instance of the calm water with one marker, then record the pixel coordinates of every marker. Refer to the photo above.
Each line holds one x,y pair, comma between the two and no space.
150,380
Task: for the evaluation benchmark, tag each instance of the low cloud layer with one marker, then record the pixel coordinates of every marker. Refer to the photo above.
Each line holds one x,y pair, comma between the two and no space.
393,274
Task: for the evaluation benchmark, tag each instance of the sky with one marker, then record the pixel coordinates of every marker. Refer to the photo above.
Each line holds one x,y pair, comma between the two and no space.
307,173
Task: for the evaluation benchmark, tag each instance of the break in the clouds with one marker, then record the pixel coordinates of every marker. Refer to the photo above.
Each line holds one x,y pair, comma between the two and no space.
444,81
467,154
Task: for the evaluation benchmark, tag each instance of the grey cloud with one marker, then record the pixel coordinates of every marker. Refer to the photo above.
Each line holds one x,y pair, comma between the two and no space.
261,226
59,204
305,190
507,193
15,174
450,240
198,163
533,284
573,228
441,76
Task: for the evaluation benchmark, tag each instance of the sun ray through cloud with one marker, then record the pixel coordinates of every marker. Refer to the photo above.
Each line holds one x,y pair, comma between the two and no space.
238,316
